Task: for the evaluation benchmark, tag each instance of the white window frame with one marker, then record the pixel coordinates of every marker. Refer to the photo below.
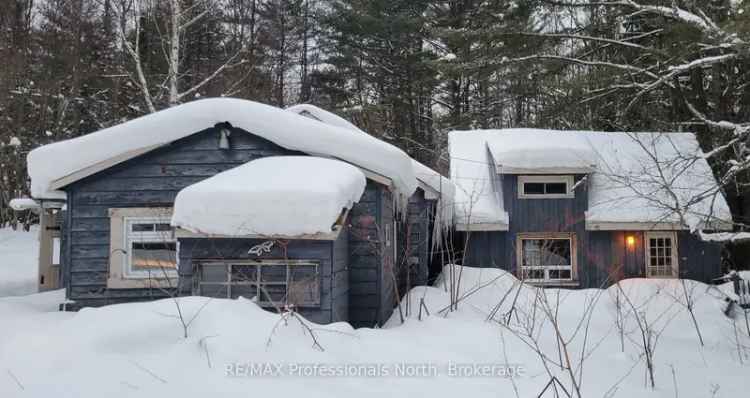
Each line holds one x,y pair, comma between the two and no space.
121,240
572,267
228,283
675,259
568,180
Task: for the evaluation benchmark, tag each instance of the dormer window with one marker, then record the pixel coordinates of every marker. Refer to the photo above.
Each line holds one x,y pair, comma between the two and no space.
545,186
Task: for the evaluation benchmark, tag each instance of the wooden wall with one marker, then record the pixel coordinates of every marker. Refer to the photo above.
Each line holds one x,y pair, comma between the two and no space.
602,255
332,268
150,180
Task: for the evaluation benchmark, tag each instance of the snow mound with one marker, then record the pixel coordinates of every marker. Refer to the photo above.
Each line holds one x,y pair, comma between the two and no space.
52,162
529,151
140,349
279,195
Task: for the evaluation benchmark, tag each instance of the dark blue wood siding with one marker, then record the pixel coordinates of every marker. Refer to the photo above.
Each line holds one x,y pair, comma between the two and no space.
371,294
414,241
193,251
150,180
602,256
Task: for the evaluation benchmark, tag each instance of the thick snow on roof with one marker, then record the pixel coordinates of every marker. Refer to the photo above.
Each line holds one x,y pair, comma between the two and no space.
278,195
477,201
323,115
627,185
525,151
54,161
431,178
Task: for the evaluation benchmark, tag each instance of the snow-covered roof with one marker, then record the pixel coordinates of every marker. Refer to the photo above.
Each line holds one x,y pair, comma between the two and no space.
626,183
478,203
322,115
21,204
537,152
429,178
271,196
53,162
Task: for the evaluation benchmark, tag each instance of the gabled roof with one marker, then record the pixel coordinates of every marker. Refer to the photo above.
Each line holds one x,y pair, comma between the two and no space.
626,181
51,163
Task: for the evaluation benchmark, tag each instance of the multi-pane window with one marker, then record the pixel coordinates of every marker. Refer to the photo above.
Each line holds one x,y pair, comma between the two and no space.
546,259
151,248
273,282
661,255
548,187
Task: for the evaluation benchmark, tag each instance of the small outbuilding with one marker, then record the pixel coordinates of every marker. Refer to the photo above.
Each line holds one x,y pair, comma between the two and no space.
225,198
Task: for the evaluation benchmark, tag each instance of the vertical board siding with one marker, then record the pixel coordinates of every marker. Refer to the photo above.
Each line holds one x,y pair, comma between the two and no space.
150,180
603,256
340,278
366,225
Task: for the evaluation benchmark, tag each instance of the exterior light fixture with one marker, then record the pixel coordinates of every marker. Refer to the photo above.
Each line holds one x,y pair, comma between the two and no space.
630,241
224,134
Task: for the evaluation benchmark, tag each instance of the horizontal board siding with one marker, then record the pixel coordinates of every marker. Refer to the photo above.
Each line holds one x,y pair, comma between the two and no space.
193,251
150,180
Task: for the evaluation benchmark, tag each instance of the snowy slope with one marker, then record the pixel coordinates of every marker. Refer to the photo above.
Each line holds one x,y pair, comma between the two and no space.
277,195
139,350
51,162
18,261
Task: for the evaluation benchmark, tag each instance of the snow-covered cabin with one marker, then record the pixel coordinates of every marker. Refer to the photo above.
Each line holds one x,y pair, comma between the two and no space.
224,197
584,209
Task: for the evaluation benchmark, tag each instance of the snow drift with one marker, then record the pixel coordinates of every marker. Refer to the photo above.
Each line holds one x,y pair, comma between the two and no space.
138,349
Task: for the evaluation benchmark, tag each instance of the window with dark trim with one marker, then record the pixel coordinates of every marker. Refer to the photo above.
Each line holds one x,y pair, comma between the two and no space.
272,282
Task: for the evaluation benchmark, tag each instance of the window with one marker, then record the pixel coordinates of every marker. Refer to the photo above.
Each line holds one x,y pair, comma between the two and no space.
546,257
546,187
151,248
661,255
273,282
143,249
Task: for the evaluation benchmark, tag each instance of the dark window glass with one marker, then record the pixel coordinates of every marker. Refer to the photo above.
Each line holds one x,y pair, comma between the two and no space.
143,228
533,188
554,188
163,227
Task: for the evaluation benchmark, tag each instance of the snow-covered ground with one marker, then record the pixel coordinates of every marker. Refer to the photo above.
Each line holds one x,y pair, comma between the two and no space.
139,349
18,261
